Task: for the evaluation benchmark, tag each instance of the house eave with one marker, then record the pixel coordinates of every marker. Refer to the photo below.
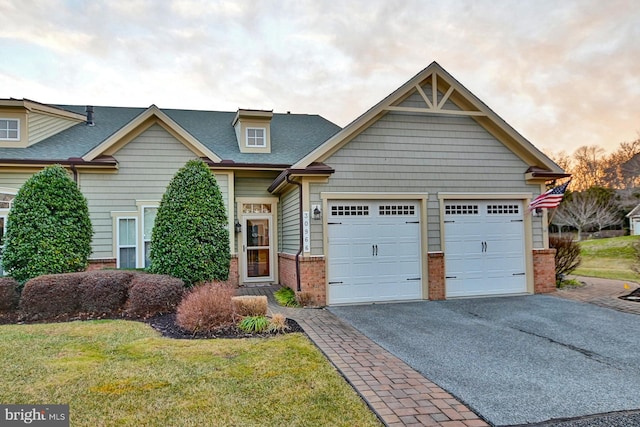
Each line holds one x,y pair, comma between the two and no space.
103,163
231,165
312,170
539,174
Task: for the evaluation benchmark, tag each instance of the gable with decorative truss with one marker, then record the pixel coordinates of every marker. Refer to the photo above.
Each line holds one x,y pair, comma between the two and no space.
435,91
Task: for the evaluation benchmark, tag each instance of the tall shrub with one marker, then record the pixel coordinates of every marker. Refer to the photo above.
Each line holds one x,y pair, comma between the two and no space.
190,237
567,256
49,230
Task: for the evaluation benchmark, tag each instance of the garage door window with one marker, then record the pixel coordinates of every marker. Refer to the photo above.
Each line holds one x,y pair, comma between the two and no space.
349,210
393,210
461,210
503,209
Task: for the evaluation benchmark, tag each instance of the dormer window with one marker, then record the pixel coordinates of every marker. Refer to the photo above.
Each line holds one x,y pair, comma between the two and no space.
253,130
256,137
9,129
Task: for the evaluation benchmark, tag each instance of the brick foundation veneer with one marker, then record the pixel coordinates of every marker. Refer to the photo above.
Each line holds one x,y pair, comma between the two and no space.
436,275
544,270
312,276
101,264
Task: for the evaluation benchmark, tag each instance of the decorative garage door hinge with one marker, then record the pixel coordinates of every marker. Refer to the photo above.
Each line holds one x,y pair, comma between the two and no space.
518,274
336,283
415,278
449,222
333,223
517,220
412,222
451,277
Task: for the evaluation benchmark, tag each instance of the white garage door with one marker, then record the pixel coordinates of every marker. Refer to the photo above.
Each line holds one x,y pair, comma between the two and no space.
484,248
374,251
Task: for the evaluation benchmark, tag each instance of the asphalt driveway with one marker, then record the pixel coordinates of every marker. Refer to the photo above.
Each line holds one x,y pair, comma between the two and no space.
514,360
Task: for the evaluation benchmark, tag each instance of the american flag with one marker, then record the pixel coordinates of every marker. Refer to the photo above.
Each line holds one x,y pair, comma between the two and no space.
550,199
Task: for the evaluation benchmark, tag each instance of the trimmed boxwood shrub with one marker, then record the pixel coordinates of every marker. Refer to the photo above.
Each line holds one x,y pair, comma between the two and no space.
152,294
49,228
104,291
51,295
9,295
190,237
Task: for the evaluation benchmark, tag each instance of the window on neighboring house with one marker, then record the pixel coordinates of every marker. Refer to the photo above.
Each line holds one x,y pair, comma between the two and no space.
10,129
256,137
127,237
148,219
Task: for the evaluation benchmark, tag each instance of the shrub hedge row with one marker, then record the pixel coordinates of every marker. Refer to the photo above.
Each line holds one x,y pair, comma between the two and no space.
103,292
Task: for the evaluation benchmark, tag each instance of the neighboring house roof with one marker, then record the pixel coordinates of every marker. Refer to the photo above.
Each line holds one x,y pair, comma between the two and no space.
444,88
634,212
208,133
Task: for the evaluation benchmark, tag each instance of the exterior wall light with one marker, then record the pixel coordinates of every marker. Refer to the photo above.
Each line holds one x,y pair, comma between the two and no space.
238,226
317,213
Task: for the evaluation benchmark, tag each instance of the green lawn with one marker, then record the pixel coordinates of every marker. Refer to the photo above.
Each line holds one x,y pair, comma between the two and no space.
610,258
115,372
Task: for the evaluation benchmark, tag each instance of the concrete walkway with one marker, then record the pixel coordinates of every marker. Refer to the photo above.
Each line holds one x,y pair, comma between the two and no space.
397,393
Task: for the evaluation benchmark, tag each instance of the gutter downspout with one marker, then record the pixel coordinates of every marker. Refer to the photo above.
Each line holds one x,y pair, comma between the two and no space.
298,287
75,172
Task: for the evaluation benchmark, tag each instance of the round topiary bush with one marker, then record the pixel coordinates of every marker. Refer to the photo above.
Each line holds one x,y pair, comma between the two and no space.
190,237
49,228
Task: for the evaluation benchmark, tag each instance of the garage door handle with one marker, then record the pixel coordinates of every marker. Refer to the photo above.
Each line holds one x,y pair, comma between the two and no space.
374,250
484,246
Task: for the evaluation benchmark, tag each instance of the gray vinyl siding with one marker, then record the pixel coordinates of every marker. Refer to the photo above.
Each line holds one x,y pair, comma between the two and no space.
422,153
290,222
146,166
42,126
254,186
13,181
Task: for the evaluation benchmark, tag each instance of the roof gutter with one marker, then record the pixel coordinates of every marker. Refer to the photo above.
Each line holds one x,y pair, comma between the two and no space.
301,246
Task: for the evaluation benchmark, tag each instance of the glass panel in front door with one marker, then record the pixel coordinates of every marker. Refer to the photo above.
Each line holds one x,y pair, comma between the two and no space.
257,241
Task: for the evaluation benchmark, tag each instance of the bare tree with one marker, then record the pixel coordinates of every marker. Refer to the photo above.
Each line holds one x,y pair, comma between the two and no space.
588,169
580,212
607,215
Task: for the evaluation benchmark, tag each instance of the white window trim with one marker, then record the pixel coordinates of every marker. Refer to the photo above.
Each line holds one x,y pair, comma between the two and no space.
119,246
18,129
141,208
264,137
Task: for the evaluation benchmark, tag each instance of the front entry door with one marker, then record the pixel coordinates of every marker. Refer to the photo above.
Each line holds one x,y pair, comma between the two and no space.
257,251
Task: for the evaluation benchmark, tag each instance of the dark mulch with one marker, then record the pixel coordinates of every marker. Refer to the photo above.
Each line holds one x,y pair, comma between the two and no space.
164,323
633,296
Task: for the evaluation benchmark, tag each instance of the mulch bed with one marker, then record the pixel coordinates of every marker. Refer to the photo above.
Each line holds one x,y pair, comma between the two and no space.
164,323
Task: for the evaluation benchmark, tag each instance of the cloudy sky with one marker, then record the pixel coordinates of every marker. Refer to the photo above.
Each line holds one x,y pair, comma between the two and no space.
563,73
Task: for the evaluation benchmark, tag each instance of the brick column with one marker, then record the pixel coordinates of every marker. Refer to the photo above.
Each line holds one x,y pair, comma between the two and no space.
436,275
544,270
312,276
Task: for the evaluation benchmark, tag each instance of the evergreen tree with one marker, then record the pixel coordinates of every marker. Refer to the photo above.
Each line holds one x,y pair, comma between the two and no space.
49,230
190,237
